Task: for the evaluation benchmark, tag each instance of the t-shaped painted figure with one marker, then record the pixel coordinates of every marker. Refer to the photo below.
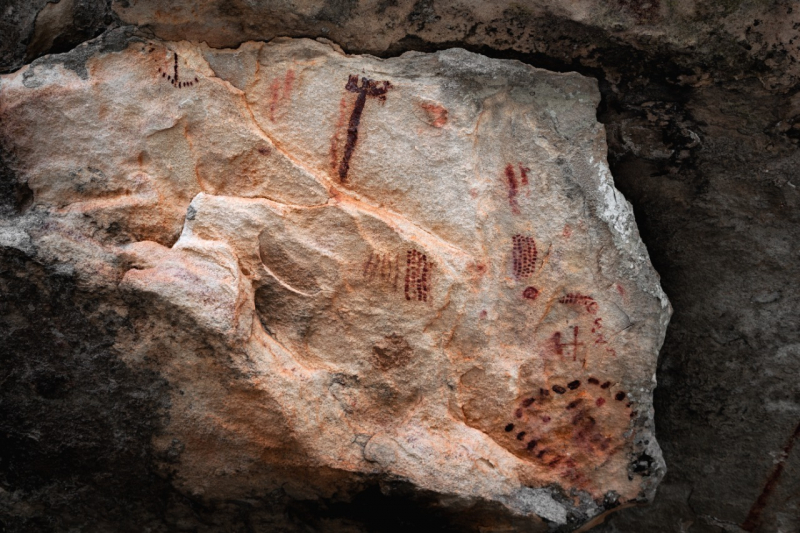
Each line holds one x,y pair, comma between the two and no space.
368,88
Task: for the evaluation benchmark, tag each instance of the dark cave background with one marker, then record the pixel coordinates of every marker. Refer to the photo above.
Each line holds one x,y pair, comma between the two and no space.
703,141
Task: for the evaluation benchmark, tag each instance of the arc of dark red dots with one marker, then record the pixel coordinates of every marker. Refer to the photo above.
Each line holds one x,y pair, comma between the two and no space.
560,389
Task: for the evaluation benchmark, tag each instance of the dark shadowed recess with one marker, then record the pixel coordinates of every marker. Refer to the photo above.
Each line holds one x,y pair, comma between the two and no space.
711,171
19,43
75,422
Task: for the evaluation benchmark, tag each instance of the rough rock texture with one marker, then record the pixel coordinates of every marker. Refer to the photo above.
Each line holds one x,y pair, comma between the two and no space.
703,120
414,269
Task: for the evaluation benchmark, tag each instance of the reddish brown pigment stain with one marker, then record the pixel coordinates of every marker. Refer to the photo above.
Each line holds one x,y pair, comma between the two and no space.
600,402
417,280
524,255
437,115
530,293
567,231
753,519
367,88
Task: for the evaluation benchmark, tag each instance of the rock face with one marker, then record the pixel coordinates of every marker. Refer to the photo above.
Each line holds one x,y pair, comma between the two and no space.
346,269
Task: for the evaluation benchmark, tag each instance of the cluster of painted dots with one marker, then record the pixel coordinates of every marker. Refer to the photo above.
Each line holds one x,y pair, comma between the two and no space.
620,396
524,255
579,299
173,78
417,276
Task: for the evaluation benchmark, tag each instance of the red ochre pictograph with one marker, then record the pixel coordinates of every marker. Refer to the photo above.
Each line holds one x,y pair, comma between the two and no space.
567,345
513,184
580,300
524,255
530,293
376,89
280,90
575,345
418,275
384,268
573,426
174,77
600,339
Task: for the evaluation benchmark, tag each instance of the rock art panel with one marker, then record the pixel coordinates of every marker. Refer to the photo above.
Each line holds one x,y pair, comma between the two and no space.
415,268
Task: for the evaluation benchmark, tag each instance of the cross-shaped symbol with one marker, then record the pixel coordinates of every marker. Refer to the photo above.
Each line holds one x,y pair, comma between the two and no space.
560,345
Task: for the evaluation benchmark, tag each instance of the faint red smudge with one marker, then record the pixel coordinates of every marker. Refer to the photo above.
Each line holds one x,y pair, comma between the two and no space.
288,82
275,94
620,290
567,231
479,268
280,91
437,115
753,519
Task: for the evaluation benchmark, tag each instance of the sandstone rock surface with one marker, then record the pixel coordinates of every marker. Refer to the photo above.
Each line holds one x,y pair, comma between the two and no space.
413,269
